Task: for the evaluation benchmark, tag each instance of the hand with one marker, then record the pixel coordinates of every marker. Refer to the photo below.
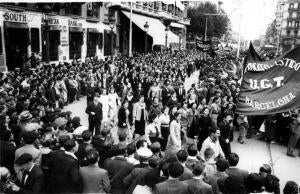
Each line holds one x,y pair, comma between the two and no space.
14,187
92,113
227,140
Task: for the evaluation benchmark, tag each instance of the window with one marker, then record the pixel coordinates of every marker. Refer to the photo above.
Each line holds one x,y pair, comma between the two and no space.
295,32
35,40
290,14
292,5
289,23
297,24
92,10
73,9
288,32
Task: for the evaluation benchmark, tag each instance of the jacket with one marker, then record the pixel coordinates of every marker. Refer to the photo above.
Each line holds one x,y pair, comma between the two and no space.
63,173
137,111
34,182
171,186
97,109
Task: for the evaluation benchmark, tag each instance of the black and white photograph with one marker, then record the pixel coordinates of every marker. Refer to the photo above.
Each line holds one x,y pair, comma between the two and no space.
150,97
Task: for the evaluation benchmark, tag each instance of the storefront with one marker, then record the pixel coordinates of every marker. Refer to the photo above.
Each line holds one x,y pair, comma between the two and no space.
54,29
75,39
94,40
16,33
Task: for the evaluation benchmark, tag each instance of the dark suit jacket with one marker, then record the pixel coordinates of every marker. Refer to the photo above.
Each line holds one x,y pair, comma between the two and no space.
51,95
81,154
122,118
135,178
197,186
34,182
165,94
237,174
118,168
97,109
181,97
64,173
7,155
170,186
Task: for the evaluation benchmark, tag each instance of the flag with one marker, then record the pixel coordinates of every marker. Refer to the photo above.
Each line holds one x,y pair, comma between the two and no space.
270,87
203,45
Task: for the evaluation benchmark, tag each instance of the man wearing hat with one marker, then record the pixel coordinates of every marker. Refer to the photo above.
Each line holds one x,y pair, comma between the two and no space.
94,110
32,176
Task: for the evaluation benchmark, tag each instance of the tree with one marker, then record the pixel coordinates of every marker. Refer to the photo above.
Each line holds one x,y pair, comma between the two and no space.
216,25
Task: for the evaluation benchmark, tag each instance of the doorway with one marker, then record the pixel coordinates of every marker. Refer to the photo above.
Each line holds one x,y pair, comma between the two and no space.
16,44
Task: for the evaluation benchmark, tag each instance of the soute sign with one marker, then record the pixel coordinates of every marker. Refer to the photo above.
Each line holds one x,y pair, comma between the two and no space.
15,17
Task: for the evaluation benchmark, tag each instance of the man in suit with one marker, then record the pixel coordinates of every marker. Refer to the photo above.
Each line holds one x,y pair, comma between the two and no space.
64,170
222,166
187,174
32,176
166,93
82,147
7,151
225,126
137,175
196,184
172,185
239,175
94,110
118,168
181,93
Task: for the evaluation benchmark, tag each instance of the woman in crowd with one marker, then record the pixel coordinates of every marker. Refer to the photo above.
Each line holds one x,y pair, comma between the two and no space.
123,123
164,120
152,130
174,140
104,100
139,116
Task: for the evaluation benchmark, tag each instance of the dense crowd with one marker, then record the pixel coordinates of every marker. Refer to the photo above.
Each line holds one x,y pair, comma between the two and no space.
169,139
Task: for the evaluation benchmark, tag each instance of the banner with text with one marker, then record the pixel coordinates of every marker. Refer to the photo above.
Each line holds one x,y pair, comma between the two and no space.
270,87
203,45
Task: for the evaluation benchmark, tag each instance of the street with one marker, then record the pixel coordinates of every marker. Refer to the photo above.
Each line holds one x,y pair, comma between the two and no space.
252,154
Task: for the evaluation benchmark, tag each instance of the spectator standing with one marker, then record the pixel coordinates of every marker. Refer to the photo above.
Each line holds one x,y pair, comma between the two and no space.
94,110
95,179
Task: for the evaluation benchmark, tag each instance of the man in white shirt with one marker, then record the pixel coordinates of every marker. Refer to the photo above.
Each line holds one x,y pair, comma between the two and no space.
212,142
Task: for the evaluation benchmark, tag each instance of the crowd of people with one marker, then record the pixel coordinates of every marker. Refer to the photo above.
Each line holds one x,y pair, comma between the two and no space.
170,139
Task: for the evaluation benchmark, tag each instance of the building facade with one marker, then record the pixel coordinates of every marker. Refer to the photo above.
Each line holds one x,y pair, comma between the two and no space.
287,24
61,32
166,25
71,30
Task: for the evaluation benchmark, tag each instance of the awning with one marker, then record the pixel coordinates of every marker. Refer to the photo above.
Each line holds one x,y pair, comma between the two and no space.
75,29
93,30
176,25
15,25
156,28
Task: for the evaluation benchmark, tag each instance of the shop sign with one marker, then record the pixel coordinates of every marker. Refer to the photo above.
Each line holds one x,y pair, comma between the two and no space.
15,17
64,41
74,23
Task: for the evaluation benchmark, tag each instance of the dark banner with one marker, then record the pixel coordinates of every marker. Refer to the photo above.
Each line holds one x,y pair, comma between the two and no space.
203,45
270,87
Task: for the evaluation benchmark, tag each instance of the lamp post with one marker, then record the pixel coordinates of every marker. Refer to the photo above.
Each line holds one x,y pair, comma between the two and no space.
179,44
146,27
46,41
166,43
112,21
190,37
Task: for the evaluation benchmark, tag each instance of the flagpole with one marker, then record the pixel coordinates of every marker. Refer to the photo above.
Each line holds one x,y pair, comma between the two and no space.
130,31
205,34
239,41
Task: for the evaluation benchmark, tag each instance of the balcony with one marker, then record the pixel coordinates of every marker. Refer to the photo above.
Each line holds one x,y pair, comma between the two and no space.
154,12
